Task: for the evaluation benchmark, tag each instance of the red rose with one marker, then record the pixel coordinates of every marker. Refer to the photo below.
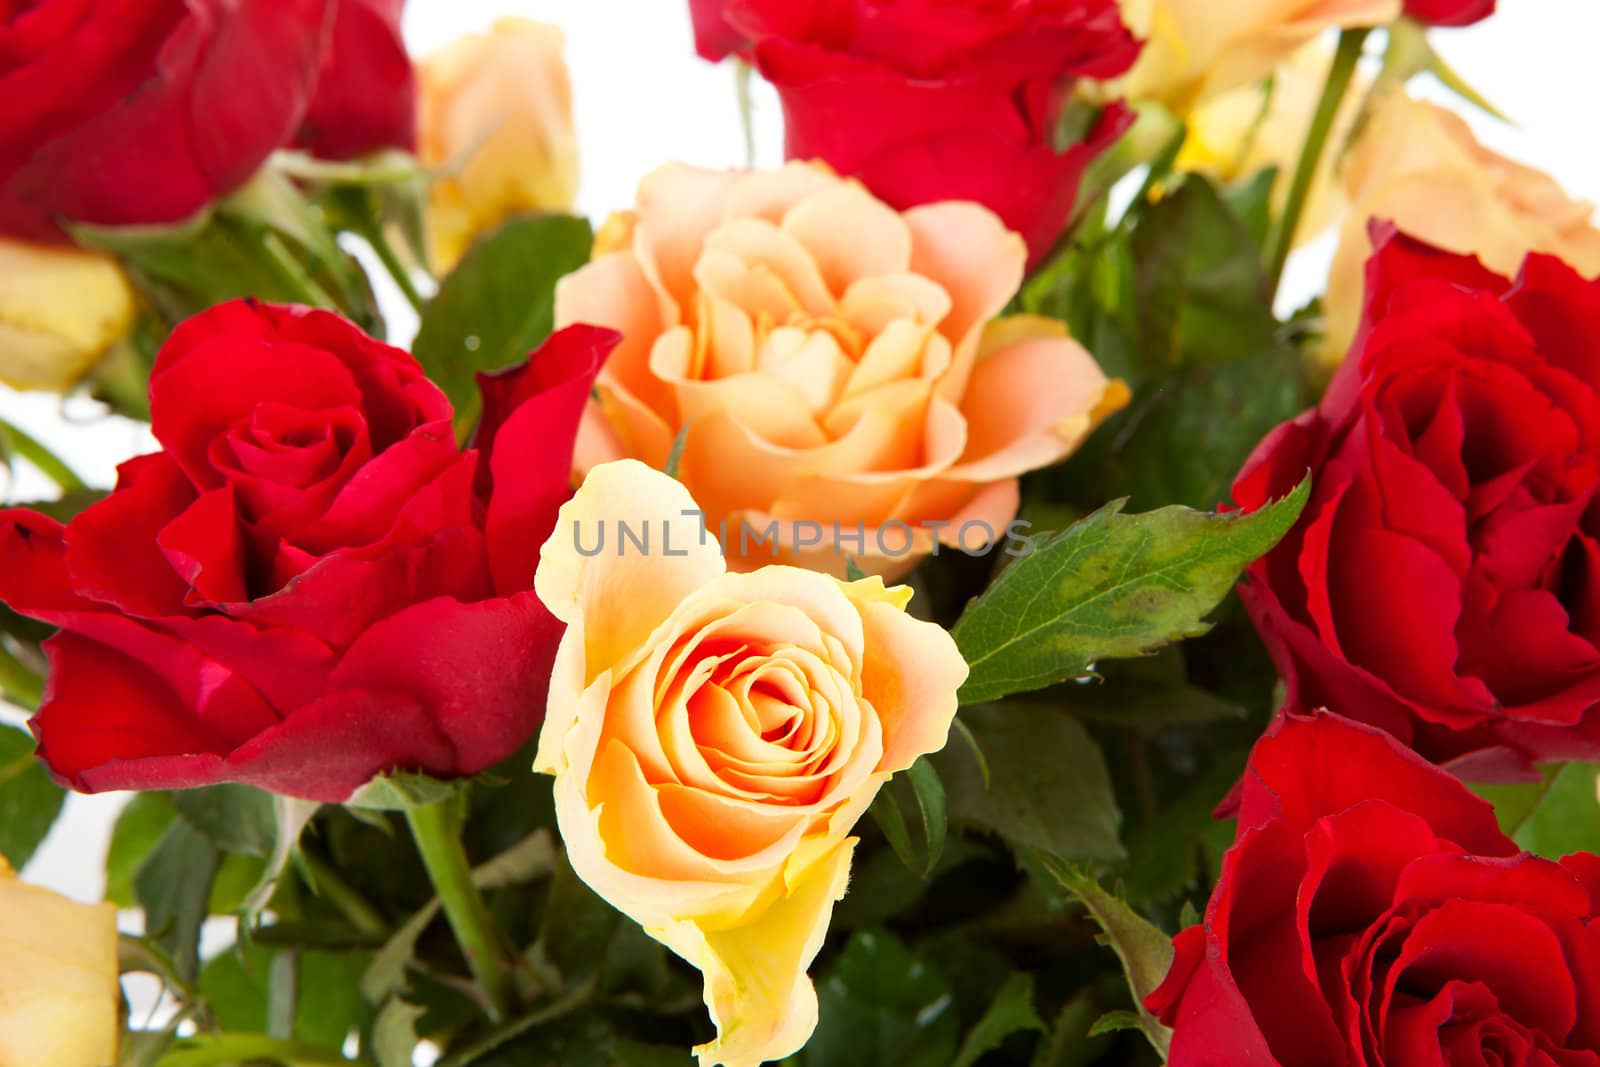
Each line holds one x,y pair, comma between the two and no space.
927,100
714,39
1371,914
366,98
311,584
121,112
1450,12
1444,581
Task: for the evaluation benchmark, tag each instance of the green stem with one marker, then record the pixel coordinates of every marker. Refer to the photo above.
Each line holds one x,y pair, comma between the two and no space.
743,75
438,835
30,449
1340,75
330,885
20,685
283,990
296,280
373,232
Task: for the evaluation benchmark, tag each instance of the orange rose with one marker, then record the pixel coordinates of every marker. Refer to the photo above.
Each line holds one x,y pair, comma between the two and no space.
714,737
495,110
826,360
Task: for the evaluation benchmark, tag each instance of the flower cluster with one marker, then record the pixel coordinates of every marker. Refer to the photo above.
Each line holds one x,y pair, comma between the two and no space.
619,578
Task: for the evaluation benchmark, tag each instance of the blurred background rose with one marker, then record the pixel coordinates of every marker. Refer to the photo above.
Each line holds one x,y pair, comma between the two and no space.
60,311
496,116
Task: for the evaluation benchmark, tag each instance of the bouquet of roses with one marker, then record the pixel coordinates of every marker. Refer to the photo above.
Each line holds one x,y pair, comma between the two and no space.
923,604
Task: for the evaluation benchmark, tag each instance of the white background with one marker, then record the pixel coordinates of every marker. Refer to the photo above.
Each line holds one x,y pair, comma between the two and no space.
642,97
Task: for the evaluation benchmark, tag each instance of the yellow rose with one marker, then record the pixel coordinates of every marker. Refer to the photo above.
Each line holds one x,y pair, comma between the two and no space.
715,736
1241,132
1195,49
61,309
58,978
827,360
495,110
1418,165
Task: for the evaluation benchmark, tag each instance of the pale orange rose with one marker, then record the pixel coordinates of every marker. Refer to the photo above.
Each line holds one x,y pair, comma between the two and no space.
1196,49
1419,166
495,110
827,359
58,978
715,736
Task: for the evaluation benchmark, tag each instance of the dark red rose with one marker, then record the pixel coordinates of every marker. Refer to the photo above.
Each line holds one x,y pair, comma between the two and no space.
1450,12
927,100
714,39
311,584
1444,581
1371,914
366,98
121,112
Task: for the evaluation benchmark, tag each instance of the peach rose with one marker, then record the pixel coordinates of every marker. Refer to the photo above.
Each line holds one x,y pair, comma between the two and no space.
827,359
715,736
495,111
58,978
1196,49
1419,166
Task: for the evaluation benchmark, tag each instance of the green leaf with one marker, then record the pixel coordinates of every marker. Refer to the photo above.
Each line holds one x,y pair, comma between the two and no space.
1251,202
1051,789
237,877
245,822
401,791
236,986
1068,1043
885,811
888,811
1198,282
571,1039
137,831
29,800
882,1006
46,462
1115,1021
228,1050
1145,952
1109,587
931,802
1151,693
289,818
1197,429
394,1034
971,741
173,886
497,306
575,929
1164,855
235,818
1012,1012
1567,818
1090,288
